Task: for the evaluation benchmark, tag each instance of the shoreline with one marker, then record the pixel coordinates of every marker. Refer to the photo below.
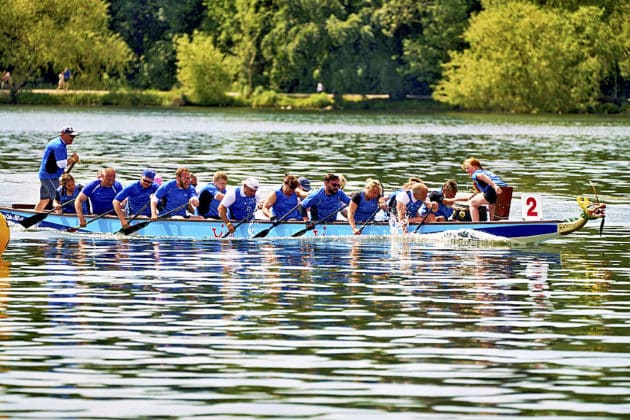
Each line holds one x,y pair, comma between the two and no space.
269,100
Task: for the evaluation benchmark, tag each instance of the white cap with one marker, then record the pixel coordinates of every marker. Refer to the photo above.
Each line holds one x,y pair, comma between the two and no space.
252,183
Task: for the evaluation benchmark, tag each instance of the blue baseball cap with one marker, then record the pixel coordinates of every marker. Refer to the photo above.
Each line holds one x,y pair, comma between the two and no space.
149,173
304,183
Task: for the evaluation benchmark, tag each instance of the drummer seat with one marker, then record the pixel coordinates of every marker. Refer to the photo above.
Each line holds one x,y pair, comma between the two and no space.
503,204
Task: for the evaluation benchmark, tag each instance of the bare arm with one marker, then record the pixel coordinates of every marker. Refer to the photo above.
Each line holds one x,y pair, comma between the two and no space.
222,210
352,209
78,207
269,202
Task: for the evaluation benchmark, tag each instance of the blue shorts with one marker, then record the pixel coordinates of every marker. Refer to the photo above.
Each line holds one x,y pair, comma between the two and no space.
48,188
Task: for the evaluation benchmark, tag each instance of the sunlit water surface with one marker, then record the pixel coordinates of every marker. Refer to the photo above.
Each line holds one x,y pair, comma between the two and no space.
440,326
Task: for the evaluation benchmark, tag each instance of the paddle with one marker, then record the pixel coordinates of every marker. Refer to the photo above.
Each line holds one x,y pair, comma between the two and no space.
138,226
369,220
135,216
100,216
246,219
266,231
311,226
422,221
36,218
601,226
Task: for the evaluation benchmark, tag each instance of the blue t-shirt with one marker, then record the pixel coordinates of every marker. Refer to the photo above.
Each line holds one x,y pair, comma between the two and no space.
173,197
243,207
365,208
284,204
324,207
208,204
482,186
62,196
101,197
55,150
138,198
443,210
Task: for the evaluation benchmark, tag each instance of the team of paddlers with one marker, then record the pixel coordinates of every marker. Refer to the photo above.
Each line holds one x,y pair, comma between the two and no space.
153,198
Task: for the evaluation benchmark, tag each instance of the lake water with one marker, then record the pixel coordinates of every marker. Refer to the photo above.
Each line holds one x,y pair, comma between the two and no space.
439,327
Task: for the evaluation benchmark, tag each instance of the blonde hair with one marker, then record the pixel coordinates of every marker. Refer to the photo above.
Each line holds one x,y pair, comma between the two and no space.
219,175
374,183
410,182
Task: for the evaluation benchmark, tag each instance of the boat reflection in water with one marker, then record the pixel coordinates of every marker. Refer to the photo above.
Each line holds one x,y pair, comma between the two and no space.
355,316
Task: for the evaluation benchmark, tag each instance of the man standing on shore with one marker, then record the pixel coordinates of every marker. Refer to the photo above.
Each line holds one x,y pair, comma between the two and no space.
54,162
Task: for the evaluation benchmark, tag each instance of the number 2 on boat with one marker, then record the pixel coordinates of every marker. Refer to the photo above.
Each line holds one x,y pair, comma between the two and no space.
532,206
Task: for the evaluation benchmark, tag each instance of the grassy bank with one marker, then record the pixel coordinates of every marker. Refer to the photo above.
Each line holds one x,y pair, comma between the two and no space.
261,99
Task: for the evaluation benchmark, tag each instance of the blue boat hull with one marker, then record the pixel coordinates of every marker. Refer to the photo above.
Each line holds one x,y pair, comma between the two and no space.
529,231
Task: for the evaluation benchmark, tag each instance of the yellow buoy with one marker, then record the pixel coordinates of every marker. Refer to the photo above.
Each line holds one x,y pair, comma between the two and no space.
5,234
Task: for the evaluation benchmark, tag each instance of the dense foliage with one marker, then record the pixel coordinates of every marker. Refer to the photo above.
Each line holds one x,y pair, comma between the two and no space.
515,55
525,58
43,36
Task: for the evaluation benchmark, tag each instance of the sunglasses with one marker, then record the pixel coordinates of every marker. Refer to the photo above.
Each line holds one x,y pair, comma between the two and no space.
146,181
335,184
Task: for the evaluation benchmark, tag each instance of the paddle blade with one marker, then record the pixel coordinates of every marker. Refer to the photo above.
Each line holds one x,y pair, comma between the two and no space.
601,226
33,220
134,228
263,233
300,232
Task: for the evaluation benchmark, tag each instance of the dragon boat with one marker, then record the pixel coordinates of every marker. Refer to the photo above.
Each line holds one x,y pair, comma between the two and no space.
206,229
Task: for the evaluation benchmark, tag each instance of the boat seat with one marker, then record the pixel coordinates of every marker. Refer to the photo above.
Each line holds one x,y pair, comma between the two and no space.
503,204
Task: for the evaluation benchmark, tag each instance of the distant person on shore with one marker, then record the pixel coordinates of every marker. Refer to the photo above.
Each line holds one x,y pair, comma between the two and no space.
67,75
54,162
487,183
320,87
6,80
60,82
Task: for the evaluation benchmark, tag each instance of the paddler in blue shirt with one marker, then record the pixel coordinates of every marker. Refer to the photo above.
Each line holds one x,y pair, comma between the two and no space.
137,197
408,204
100,193
174,196
326,202
283,202
241,202
487,183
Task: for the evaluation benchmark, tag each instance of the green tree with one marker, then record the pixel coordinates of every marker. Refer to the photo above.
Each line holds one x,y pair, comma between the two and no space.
338,43
526,58
433,29
149,27
239,27
202,70
35,35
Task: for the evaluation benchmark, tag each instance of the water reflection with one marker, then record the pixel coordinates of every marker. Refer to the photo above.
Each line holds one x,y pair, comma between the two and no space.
303,321
334,328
